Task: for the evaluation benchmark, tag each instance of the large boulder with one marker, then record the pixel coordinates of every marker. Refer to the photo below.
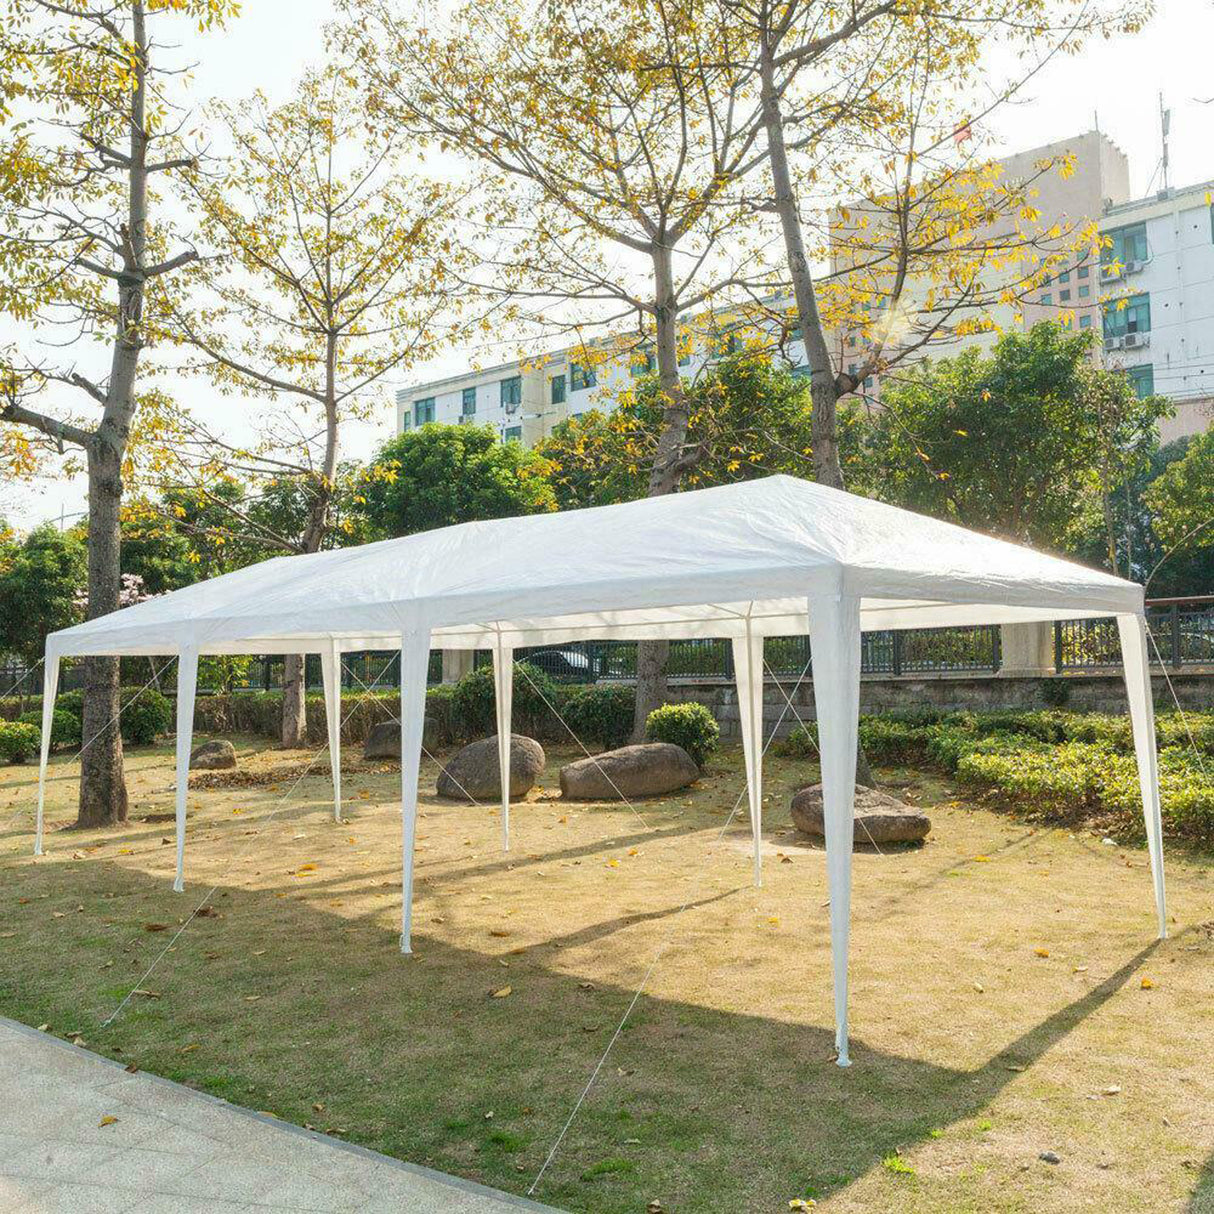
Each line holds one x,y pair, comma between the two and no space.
472,774
383,740
880,818
648,770
218,755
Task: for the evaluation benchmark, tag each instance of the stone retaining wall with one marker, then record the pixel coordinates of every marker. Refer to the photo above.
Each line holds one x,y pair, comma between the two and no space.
949,693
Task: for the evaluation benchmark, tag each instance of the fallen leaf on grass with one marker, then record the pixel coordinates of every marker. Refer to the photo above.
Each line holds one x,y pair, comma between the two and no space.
501,993
155,927
982,859
146,994
108,1119
1147,984
1042,952
1112,1090
497,931
251,998
613,864
979,987
189,1049
306,868
130,1068
44,1028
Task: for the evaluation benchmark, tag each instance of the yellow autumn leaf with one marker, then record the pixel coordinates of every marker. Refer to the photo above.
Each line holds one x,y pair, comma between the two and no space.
108,1119
1147,984
502,992
1042,952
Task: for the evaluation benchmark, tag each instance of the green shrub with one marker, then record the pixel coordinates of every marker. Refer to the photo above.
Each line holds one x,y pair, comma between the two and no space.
145,715
801,743
1056,692
602,714
65,727
472,702
894,740
71,701
690,726
1062,779
18,741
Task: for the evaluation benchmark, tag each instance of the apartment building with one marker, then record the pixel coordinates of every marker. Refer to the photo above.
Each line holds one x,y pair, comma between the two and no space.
1157,290
1151,295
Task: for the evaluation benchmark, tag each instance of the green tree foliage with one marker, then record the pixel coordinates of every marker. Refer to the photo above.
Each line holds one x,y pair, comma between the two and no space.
439,475
40,582
1019,443
748,418
1181,500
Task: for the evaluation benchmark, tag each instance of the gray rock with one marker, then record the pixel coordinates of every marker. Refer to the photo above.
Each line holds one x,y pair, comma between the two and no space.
383,740
647,770
472,773
218,755
880,818
1050,1157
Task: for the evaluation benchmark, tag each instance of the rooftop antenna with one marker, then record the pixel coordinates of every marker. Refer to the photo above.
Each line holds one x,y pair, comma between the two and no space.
1165,123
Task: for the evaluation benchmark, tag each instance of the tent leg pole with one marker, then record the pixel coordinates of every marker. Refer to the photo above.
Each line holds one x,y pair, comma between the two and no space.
187,680
50,685
414,661
834,631
330,669
503,688
748,675
1136,660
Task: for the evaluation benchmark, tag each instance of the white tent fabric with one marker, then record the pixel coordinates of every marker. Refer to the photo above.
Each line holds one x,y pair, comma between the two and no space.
773,557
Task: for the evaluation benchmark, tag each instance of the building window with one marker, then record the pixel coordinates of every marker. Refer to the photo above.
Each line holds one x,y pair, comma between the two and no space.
685,357
1142,380
406,422
1125,245
512,390
512,434
581,377
1064,296
1046,300
468,403
1084,291
423,410
1124,316
1085,321
558,389
643,362
1065,276
1082,272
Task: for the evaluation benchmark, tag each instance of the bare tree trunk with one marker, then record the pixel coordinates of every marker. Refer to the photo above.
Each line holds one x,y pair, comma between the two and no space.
823,384
103,795
294,682
294,710
666,472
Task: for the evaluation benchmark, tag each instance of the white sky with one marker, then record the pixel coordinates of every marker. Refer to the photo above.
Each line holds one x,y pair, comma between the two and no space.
1115,83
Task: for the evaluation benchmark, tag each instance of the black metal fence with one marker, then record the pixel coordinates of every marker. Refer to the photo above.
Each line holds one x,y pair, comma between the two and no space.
925,651
1182,632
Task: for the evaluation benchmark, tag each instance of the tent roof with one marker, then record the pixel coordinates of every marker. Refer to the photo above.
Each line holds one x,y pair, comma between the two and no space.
690,564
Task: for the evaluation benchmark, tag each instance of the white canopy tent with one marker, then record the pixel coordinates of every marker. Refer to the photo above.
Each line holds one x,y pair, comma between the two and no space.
773,557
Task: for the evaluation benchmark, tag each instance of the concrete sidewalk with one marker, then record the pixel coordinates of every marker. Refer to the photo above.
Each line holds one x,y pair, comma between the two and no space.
177,1151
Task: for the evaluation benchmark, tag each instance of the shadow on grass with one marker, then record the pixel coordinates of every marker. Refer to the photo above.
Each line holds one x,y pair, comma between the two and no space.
281,1005
1203,1196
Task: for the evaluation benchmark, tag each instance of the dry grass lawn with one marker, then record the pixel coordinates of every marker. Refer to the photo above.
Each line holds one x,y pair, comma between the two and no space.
1007,996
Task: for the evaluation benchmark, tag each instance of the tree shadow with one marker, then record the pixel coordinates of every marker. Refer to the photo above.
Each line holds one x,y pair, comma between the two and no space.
1202,1201
279,1004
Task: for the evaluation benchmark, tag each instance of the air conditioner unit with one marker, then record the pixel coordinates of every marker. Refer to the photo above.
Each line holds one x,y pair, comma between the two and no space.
1114,343
1131,267
1136,341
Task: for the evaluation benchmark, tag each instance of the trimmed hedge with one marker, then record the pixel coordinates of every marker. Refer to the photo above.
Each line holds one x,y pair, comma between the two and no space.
18,741
688,725
1062,764
65,727
602,714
